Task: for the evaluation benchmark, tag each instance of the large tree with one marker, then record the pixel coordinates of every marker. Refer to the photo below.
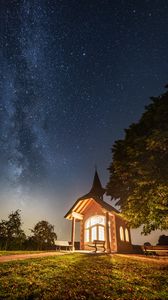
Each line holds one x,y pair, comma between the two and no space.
44,235
11,234
139,169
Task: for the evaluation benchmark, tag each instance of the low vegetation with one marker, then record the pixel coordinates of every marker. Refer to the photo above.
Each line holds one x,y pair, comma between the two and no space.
82,276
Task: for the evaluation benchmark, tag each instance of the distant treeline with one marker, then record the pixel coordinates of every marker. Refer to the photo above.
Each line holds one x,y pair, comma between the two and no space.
12,236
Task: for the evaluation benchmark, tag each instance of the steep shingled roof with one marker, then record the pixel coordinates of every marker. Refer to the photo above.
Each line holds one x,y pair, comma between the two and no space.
97,189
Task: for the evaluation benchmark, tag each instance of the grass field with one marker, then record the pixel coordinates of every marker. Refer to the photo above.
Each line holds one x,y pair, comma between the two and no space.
82,276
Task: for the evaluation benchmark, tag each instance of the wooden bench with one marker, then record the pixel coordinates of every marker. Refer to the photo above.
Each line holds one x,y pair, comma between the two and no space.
156,250
98,244
63,244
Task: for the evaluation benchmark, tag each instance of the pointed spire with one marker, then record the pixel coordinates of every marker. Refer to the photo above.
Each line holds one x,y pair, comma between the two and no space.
97,189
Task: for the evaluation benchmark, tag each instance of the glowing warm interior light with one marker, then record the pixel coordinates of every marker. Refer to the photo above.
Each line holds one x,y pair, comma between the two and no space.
121,233
95,228
126,235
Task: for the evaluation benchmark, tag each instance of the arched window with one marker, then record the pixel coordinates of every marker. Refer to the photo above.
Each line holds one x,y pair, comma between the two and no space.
95,229
121,233
126,235
109,226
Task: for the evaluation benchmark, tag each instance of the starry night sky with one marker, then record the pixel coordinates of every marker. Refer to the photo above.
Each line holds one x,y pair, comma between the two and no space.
74,74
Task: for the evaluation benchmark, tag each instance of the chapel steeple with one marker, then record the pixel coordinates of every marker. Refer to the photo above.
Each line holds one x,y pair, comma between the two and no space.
97,190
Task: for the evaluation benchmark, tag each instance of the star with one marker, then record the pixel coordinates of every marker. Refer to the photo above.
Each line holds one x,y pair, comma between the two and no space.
72,78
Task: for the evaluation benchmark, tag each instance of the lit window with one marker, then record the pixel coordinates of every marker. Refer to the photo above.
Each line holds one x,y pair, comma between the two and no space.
87,235
94,233
101,233
97,220
95,229
126,235
109,225
121,233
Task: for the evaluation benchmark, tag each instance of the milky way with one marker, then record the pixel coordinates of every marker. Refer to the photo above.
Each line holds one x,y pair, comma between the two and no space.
74,74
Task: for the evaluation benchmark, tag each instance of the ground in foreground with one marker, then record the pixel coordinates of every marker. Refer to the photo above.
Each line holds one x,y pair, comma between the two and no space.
82,276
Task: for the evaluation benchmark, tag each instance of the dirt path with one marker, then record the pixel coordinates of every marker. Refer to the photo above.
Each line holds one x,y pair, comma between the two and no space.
45,254
27,256
157,260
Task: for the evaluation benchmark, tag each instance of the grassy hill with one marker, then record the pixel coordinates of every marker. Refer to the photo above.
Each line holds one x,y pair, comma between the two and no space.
82,276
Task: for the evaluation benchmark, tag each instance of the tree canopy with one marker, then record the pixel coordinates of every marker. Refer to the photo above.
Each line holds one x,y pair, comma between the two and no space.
163,240
139,169
44,235
11,234
12,237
